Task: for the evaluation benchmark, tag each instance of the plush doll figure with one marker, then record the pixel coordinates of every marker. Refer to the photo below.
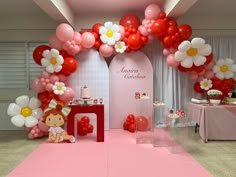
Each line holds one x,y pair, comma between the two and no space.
55,117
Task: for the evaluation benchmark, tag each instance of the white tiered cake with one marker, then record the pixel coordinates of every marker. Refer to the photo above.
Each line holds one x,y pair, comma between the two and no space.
85,93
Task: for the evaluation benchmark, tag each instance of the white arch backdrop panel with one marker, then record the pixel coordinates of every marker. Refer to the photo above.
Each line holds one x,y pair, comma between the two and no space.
129,73
93,72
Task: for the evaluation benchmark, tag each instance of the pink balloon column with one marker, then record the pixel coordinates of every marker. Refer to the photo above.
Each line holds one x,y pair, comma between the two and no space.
64,32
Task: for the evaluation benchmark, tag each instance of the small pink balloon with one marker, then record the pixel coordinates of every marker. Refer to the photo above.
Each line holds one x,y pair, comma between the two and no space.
62,78
64,32
172,50
152,12
30,136
36,135
143,30
68,95
209,74
77,38
165,52
54,42
200,78
88,40
202,73
106,50
193,76
37,86
42,126
210,65
45,75
48,87
122,31
171,61
54,78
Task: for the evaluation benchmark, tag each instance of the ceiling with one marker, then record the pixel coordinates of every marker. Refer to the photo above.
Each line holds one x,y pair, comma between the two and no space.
68,9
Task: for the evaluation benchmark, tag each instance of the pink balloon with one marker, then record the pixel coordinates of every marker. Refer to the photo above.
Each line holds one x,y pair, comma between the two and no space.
209,74
200,78
68,95
193,76
62,78
37,86
171,61
122,31
45,74
88,40
77,38
172,50
106,50
210,65
54,42
54,78
165,52
42,126
64,32
202,73
143,30
30,136
152,12
48,87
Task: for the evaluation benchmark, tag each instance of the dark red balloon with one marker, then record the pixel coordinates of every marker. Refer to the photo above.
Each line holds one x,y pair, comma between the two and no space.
96,27
69,66
134,41
209,59
38,53
167,42
197,88
130,19
185,31
64,54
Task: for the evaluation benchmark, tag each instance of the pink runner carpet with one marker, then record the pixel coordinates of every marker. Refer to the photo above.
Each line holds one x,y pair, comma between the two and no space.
118,156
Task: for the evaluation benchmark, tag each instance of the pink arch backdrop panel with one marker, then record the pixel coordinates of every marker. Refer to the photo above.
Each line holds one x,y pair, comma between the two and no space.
129,73
94,73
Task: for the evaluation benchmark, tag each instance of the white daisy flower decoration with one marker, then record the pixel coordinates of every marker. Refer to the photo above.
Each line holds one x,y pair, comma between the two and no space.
52,60
193,52
120,47
206,84
109,33
59,88
224,68
25,112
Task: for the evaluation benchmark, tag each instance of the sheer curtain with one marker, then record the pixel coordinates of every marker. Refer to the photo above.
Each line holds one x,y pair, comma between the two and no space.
174,87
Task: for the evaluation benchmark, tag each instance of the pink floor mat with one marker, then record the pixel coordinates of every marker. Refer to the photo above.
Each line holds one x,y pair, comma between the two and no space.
118,156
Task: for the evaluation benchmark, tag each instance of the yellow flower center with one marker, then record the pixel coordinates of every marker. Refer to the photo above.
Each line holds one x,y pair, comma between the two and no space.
120,46
59,87
192,52
224,68
26,111
53,60
109,33
205,84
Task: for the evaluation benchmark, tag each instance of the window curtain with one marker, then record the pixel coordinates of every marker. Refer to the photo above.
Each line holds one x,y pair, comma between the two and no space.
173,87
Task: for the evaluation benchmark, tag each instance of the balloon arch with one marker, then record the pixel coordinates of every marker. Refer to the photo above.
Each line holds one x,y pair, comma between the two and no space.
192,56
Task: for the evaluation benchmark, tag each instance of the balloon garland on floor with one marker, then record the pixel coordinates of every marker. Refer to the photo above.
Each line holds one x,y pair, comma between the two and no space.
192,56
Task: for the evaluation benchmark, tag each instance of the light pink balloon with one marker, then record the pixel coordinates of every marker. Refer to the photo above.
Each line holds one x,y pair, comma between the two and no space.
30,136
143,30
210,65
64,32
37,86
152,12
62,78
48,87
54,78
209,74
54,42
68,95
171,61
42,126
165,52
193,76
172,50
200,78
122,31
77,38
45,74
88,40
202,73
106,50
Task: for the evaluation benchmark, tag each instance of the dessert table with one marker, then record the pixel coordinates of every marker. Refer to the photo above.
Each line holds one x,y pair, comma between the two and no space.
97,109
216,122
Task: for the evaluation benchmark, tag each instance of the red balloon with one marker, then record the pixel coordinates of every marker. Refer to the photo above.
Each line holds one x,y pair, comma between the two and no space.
172,30
198,69
162,15
90,128
183,69
197,88
64,54
130,19
131,128
69,66
134,41
38,53
209,59
97,44
160,27
141,123
185,31
96,27
167,42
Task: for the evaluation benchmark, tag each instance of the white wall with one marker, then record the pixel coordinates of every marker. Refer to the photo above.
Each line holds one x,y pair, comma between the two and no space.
40,28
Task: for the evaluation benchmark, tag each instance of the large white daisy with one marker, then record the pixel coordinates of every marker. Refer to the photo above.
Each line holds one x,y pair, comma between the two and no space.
52,60
120,47
59,88
193,52
109,33
224,68
25,111
206,84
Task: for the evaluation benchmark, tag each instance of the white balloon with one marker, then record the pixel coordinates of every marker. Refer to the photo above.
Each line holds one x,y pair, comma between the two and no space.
18,120
220,75
22,101
233,68
205,50
228,74
229,61
187,63
50,69
37,113
54,52
13,109
197,42
34,103
179,56
199,60
31,121
184,46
